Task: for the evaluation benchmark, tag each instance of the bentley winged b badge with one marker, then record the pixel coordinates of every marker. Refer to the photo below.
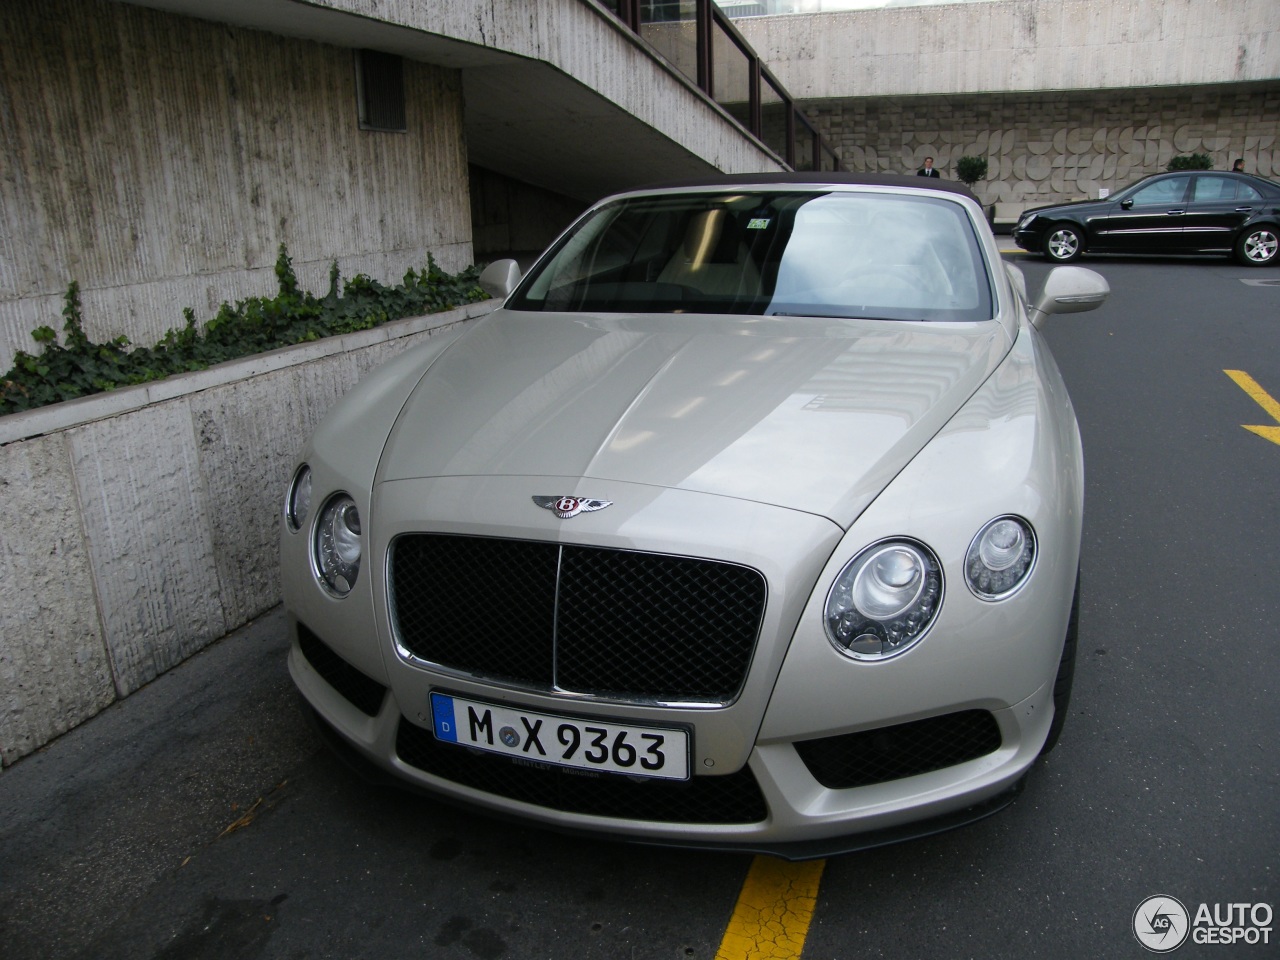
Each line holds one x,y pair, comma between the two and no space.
566,507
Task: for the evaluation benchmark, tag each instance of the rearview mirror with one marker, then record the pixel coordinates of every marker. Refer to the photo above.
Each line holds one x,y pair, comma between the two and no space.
1069,290
499,278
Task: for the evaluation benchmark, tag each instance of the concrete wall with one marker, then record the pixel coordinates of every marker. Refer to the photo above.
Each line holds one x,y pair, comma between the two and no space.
579,41
1042,148
159,158
160,161
138,526
1019,45
1062,98
510,217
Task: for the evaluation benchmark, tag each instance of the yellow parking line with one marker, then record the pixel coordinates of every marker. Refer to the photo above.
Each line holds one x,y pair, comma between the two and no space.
774,909
1254,390
1262,399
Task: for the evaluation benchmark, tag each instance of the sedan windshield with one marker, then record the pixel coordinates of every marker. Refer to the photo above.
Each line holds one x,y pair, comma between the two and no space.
885,256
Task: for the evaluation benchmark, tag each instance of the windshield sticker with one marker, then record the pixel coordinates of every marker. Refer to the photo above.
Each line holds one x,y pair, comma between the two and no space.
759,223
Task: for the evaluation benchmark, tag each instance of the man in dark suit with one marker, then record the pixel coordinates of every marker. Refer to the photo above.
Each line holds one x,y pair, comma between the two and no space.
927,170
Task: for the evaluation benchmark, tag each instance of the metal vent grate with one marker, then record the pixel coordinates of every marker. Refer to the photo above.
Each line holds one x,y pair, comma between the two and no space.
380,91
904,750
363,692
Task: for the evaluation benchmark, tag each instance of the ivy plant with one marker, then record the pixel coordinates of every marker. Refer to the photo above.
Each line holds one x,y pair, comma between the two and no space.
78,367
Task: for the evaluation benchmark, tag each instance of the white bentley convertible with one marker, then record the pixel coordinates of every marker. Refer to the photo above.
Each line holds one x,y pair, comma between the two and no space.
750,520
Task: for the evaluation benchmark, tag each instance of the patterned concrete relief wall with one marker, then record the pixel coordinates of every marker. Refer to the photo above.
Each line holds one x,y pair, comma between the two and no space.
160,161
1043,148
1019,45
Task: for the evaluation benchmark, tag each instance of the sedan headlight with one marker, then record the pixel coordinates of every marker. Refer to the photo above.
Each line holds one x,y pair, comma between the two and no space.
1026,220
884,600
1000,558
297,503
337,545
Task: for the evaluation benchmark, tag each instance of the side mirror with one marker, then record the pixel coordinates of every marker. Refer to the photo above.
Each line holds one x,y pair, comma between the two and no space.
1127,204
499,278
1069,290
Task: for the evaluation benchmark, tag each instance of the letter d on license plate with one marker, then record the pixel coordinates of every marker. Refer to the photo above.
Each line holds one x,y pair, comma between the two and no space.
637,751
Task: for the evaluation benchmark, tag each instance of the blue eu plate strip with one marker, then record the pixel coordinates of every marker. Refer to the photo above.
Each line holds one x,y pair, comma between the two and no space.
442,717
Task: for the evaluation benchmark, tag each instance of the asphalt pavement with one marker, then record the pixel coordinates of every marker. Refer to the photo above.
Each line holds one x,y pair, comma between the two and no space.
96,821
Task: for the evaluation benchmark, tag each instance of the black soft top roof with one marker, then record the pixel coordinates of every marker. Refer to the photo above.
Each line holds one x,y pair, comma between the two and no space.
812,179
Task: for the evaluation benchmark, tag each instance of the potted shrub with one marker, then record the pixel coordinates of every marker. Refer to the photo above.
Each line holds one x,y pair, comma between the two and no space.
1191,161
969,170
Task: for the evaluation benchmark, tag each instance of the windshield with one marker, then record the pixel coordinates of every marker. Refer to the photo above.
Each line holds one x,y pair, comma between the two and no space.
825,254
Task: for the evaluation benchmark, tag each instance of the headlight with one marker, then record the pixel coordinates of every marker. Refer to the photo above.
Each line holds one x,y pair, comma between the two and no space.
1026,220
297,503
884,600
337,545
1000,558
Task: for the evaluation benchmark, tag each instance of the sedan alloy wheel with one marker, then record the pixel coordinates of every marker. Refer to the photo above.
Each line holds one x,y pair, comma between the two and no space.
1258,247
1063,244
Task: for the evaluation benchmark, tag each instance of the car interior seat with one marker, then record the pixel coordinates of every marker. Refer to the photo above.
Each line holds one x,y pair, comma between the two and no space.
713,258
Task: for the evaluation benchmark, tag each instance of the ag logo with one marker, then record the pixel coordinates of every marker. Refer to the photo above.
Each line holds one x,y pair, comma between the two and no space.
1161,924
566,507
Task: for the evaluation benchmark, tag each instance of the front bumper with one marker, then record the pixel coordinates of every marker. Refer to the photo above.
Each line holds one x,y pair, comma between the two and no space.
777,800
362,765
1029,240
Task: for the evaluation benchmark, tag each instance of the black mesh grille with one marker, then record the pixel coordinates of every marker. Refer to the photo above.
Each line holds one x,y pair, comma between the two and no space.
486,606
364,693
735,798
890,753
621,624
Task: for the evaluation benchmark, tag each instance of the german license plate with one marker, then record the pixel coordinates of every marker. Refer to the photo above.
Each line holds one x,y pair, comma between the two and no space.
637,751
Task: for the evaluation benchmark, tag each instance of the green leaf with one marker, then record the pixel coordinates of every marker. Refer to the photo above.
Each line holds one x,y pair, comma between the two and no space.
249,326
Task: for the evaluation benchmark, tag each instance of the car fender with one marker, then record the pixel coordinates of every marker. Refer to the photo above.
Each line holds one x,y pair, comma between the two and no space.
1013,449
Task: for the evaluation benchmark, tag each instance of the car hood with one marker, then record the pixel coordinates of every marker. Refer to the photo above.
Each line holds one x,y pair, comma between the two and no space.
1074,208
813,415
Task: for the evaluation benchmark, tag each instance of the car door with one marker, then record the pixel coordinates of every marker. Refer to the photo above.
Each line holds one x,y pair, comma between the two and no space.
1148,220
1218,205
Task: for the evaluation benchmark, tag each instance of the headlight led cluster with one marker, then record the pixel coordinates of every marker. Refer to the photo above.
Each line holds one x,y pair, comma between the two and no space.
1000,558
884,600
336,548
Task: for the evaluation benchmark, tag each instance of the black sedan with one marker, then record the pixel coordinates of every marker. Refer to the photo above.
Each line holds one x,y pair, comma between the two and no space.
1183,212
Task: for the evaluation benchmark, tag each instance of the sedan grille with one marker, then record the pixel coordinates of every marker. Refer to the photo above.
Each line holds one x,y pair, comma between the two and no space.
616,624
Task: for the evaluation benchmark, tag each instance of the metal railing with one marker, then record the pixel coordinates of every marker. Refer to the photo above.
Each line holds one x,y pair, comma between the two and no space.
697,39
